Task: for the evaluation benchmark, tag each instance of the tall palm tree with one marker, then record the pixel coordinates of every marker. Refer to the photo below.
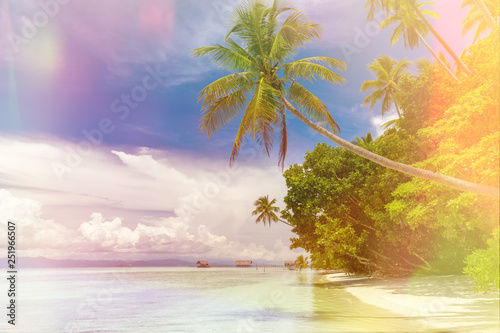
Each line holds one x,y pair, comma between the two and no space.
414,5
364,141
412,29
264,75
266,211
481,15
264,53
488,15
301,263
388,72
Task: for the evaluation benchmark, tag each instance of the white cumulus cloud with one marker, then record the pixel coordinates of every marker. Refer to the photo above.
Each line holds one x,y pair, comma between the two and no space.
119,203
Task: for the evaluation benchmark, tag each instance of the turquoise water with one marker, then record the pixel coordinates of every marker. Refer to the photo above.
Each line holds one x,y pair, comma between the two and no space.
244,300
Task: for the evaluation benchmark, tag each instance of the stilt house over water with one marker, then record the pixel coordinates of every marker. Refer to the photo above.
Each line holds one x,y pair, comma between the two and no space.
243,263
202,264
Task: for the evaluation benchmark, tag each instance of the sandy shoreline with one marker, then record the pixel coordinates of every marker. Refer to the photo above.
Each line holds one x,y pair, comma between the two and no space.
433,309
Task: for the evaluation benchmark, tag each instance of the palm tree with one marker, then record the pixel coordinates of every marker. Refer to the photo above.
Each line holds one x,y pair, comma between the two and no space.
301,263
266,211
266,48
487,14
388,73
412,29
481,15
414,5
262,72
364,141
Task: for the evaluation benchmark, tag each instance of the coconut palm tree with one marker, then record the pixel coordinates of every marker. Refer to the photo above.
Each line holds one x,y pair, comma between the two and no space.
478,16
388,72
266,76
412,29
266,211
414,5
265,49
364,141
488,15
301,263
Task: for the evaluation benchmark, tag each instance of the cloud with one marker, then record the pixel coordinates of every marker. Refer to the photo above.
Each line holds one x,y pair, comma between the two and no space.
145,164
99,238
377,122
33,231
141,201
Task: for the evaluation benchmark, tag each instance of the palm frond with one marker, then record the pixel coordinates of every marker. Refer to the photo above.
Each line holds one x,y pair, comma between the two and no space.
259,119
225,86
231,57
401,69
331,62
387,22
223,111
430,13
310,71
373,98
390,123
386,103
296,30
397,33
311,106
250,26
370,85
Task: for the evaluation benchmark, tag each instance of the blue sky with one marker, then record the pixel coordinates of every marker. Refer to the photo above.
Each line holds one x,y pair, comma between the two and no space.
99,126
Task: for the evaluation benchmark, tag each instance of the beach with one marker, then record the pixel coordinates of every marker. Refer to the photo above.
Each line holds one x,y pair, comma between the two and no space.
435,302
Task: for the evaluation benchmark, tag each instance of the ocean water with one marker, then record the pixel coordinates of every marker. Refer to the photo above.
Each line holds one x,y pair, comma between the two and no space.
244,300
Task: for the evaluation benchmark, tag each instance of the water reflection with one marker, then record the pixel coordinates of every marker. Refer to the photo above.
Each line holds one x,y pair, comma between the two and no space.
335,310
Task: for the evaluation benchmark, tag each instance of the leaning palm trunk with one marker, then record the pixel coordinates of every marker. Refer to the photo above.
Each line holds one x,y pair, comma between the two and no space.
451,182
486,13
397,110
285,222
436,56
441,40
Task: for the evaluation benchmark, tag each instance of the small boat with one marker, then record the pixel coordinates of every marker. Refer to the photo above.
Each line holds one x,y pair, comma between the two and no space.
290,265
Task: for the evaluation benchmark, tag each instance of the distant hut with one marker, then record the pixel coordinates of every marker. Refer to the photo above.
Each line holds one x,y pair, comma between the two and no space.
290,265
243,263
202,264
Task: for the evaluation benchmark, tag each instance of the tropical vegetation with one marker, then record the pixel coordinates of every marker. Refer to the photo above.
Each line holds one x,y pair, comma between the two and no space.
262,72
266,211
301,263
388,72
481,13
351,214
368,206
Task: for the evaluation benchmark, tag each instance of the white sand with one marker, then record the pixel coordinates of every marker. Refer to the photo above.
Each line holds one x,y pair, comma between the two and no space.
431,311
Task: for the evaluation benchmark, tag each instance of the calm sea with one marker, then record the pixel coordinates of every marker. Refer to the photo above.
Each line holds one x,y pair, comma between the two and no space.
244,300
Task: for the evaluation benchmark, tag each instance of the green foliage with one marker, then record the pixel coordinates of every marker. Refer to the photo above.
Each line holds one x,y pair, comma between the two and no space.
388,72
265,211
409,25
475,17
335,202
462,141
301,263
483,265
352,214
